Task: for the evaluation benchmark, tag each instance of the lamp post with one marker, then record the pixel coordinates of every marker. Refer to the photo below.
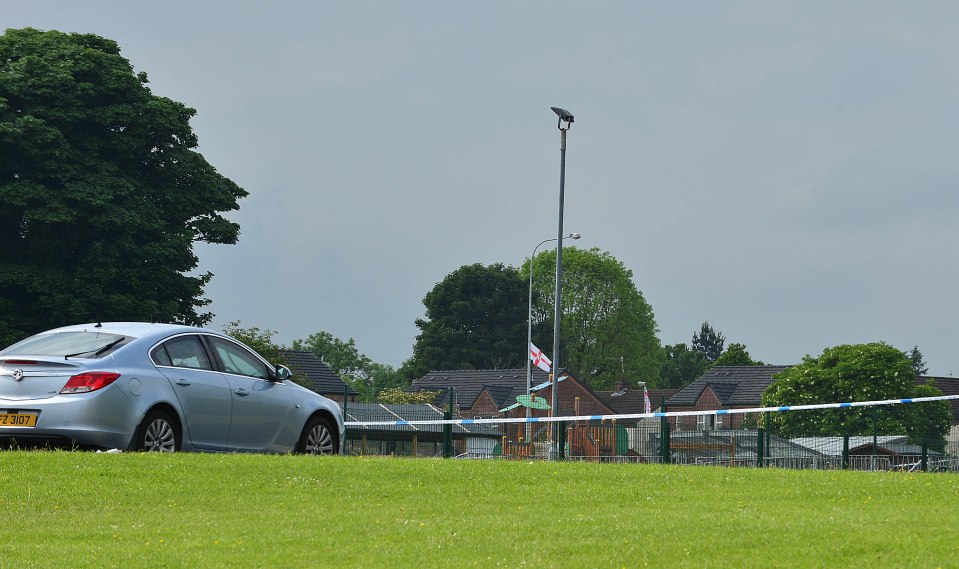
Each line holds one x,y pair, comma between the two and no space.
529,322
564,117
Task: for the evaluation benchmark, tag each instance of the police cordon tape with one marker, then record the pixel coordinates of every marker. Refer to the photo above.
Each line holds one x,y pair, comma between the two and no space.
654,415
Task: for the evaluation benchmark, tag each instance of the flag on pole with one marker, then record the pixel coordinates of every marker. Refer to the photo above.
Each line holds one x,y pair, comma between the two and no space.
647,408
539,358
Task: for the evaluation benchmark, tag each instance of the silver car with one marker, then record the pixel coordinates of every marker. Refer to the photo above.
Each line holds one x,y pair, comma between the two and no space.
157,387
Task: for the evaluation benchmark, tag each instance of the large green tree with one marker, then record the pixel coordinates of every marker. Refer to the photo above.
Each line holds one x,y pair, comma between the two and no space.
709,342
681,366
736,355
607,327
475,319
917,361
102,191
859,372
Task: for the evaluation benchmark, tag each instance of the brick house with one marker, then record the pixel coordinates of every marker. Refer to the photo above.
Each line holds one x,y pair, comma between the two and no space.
722,387
482,393
626,401
493,393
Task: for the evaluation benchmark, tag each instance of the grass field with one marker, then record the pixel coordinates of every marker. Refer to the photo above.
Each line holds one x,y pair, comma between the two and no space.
64,509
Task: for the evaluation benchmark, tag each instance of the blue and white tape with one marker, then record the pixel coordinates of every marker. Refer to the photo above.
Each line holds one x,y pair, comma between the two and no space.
506,420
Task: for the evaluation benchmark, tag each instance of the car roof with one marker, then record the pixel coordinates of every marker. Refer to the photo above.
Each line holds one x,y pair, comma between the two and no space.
133,329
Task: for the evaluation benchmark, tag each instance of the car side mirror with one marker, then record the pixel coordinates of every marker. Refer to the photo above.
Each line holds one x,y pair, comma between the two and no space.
283,373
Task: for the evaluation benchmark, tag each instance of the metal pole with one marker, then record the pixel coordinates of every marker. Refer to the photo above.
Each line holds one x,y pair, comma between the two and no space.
529,324
559,277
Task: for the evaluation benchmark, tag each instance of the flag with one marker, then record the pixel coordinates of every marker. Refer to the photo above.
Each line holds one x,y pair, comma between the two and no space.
647,408
539,358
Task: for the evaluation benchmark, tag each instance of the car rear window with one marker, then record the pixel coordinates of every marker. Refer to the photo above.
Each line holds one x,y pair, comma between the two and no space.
85,344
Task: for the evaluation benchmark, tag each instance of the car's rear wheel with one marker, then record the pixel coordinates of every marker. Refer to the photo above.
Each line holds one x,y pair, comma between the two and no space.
318,437
159,432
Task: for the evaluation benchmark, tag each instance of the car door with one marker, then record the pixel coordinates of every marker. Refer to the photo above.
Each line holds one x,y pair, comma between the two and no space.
260,405
203,393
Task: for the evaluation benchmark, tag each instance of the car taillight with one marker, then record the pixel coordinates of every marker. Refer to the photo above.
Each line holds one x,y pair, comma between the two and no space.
20,362
89,381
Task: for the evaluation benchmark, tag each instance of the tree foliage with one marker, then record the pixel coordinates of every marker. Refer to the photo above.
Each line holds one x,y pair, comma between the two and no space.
607,326
102,192
364,375
708,342
396,396
859,372
736,355
475,319
681,366
917,362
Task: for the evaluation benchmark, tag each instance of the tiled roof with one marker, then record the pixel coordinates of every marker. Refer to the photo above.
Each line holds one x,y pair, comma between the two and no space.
324,380
748,384
723,390
468,384
503,395
630,401
832,446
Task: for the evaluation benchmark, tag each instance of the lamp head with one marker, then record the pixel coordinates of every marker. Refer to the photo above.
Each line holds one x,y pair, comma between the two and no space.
563,114
574,235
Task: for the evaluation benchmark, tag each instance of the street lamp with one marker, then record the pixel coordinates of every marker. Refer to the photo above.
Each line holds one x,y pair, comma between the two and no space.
529,319
564,117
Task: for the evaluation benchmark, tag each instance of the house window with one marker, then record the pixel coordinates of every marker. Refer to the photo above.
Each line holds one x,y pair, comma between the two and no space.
708,422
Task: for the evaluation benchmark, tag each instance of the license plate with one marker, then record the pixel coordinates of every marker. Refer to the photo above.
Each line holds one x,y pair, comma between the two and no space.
18,419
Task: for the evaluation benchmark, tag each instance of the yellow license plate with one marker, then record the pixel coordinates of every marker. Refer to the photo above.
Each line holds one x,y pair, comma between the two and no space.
18,419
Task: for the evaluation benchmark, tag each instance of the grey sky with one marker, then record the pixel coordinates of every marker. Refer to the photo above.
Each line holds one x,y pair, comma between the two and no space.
785,170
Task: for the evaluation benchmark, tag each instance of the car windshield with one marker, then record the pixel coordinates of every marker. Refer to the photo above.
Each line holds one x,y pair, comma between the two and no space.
89,344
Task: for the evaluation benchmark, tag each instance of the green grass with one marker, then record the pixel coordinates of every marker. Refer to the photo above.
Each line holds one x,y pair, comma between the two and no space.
64,509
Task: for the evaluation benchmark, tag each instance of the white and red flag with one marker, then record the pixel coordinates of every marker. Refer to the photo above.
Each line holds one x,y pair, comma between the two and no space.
647,408
539,358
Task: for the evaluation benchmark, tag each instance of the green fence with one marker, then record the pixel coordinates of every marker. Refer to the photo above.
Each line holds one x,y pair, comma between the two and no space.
905,437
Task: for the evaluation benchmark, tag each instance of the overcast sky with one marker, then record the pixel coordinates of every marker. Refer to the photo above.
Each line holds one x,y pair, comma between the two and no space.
785,170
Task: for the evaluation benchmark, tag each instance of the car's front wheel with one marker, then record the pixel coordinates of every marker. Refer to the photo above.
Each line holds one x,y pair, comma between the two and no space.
318,437
159,432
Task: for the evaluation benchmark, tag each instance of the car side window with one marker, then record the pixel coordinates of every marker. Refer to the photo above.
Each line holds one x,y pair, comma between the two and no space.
238,360
160,357
185,351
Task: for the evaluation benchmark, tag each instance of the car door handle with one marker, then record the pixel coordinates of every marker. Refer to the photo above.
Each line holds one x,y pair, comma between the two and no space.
182,382
242,392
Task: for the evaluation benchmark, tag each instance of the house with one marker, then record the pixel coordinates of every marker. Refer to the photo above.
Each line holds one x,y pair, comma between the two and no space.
318,376
482,393
625,401
493,393
948,386
722,387
412,440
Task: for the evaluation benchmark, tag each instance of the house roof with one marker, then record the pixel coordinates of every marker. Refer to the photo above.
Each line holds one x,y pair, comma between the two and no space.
502,384
502,394
323,379
733,385
832,446
630,401
375,412
948,386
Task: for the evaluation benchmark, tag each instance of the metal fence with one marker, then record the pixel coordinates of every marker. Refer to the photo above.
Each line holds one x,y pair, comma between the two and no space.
873,435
